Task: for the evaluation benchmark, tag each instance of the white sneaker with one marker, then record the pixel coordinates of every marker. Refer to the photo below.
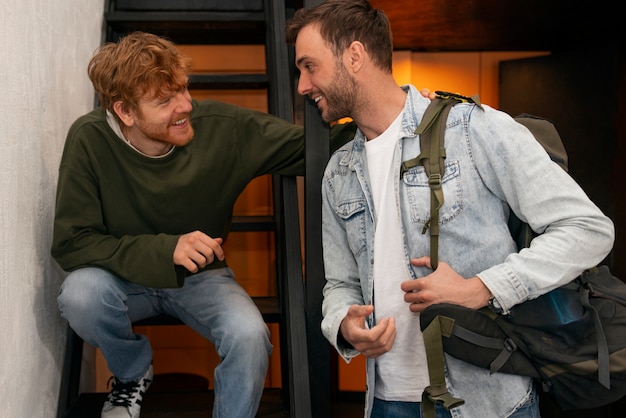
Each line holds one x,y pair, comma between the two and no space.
125,399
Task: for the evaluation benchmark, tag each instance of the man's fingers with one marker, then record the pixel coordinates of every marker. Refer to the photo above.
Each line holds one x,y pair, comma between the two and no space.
383,336
219,252
421,262
360,310
197,250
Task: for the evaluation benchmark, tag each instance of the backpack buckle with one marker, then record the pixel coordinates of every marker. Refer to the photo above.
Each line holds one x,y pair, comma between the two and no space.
510,345
434,181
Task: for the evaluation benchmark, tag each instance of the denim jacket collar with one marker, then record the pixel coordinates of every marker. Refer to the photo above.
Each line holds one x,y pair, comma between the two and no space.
412,113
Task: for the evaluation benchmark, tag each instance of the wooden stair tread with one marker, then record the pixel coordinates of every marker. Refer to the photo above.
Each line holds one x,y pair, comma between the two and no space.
212,5
252,223
176,405
233,81
198,404
194,27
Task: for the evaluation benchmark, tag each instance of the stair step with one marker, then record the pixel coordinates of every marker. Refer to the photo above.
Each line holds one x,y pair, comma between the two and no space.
177,16
193,27
198,404
189,5
228,81
193,404
252,224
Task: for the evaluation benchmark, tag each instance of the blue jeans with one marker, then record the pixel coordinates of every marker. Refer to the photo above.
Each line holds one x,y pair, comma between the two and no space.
397,409
101,308
386,409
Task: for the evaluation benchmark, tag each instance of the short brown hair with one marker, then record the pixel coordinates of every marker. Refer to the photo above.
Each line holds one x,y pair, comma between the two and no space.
344,21
138,64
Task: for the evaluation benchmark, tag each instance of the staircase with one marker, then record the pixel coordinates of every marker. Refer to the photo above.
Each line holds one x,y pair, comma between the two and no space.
224,22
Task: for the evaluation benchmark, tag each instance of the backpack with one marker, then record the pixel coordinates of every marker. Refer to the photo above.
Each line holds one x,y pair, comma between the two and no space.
571,341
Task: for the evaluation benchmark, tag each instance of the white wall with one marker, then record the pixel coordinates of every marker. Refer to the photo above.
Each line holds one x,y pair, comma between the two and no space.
44,50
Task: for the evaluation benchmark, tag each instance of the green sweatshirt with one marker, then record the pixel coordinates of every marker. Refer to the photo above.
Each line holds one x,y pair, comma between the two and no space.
122,211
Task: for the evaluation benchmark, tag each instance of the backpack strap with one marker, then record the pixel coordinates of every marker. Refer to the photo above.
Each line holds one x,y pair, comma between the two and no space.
432,155
586,290
437,392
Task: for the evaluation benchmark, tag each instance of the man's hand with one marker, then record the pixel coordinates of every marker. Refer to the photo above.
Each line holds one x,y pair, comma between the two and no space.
196,250
369,342
444,285
428,94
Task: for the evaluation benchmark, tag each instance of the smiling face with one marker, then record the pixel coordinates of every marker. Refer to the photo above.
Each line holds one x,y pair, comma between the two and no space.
158,122
166,119
324,77
142,79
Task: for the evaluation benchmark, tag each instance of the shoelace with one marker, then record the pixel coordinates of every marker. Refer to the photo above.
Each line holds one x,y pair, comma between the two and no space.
123,394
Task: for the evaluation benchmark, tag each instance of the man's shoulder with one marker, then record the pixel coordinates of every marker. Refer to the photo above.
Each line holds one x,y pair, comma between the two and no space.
96,116
482,118
208,107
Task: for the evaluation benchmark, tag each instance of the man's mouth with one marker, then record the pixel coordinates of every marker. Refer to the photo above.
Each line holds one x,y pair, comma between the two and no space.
179,122
317,99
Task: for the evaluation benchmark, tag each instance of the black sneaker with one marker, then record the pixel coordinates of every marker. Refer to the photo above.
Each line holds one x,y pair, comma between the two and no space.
125,399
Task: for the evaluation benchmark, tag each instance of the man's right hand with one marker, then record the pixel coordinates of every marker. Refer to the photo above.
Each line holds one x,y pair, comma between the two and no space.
197,250
369,342
428,94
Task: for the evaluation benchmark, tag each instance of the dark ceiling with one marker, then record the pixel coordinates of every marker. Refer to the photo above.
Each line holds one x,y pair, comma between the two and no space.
492,25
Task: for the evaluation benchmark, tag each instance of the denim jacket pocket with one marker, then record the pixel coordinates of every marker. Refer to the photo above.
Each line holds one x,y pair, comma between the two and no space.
417,190
354,215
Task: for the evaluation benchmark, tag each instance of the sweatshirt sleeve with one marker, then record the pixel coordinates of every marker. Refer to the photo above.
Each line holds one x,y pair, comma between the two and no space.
276,146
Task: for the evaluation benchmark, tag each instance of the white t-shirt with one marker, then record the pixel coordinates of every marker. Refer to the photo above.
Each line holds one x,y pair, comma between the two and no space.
401,373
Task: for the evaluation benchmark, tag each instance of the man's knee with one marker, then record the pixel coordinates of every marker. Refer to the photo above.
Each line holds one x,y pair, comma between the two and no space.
83,291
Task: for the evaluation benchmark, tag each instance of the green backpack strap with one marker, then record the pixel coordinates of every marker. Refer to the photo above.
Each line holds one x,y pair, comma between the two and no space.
432,155
437,392
431,131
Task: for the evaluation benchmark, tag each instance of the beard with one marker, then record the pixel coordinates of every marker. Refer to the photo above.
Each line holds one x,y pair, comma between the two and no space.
340,95
168,133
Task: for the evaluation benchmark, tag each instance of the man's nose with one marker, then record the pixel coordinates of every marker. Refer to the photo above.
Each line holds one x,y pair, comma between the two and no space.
304,85
183,99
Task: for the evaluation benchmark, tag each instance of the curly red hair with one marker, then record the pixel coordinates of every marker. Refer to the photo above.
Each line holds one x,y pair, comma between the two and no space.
138,65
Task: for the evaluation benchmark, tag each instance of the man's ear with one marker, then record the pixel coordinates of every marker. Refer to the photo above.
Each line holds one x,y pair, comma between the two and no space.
123,112
355,55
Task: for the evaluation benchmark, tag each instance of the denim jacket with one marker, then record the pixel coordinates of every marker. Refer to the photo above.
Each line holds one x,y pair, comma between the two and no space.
493,165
